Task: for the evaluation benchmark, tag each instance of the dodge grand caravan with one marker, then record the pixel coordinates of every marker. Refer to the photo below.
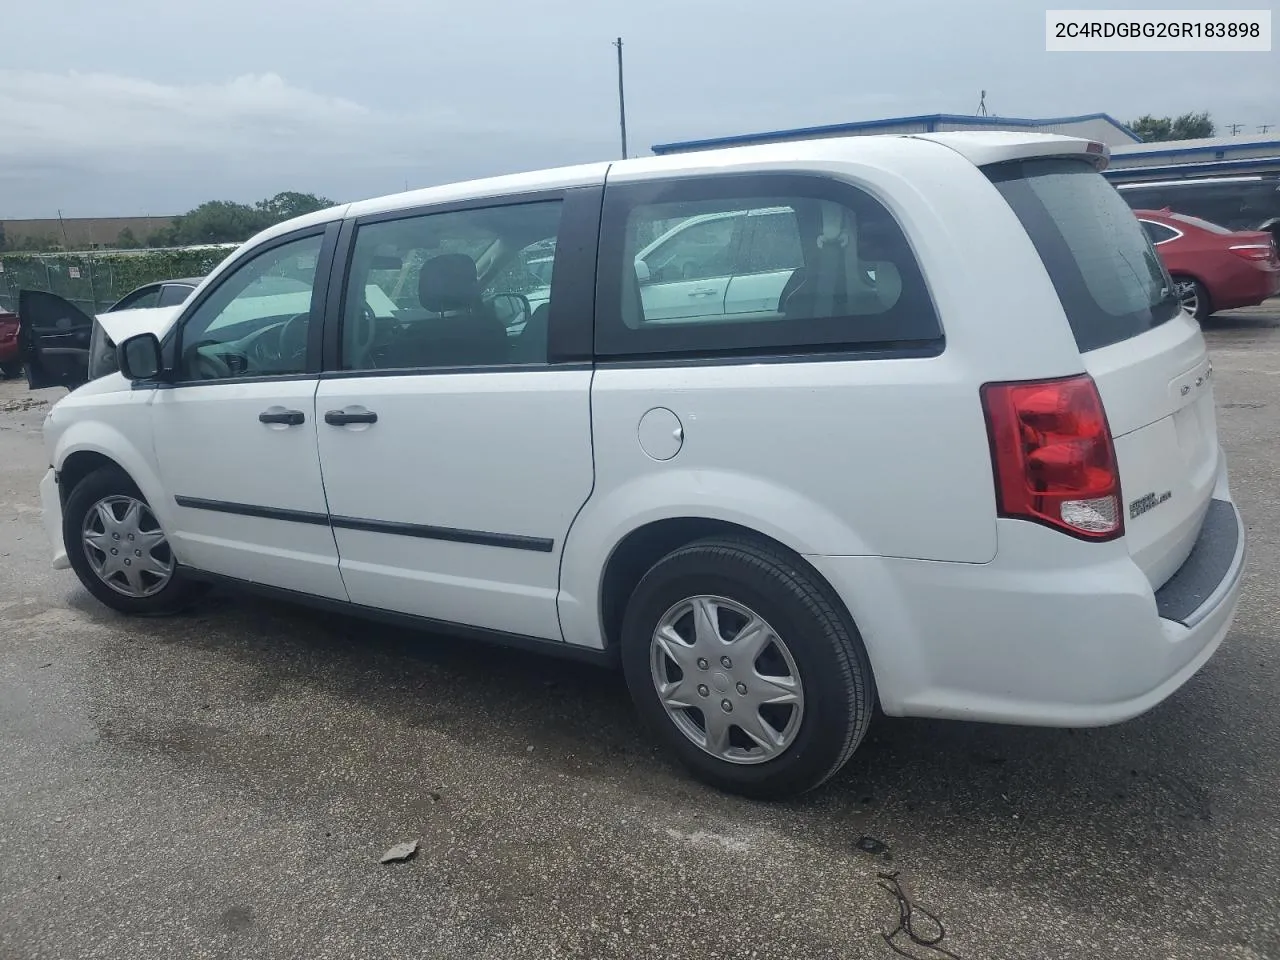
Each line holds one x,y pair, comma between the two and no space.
961,461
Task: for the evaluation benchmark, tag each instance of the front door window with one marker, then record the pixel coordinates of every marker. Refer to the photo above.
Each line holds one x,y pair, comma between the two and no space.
257,321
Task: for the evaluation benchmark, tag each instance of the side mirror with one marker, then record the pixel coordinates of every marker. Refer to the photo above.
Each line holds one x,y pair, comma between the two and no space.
139,357
642,272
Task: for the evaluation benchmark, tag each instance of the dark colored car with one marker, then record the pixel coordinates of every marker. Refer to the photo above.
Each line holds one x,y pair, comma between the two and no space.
1214,268
10,355
166,293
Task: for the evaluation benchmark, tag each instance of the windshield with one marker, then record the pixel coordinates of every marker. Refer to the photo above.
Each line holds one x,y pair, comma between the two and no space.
1106,271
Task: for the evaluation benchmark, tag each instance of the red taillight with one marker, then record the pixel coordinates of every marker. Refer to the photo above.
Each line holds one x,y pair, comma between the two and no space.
1255,251
1053,457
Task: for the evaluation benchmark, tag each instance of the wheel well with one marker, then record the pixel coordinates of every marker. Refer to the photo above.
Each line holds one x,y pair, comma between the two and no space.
78,466
642,548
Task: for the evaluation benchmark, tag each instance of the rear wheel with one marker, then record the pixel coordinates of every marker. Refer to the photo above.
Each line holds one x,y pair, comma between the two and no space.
11,369
746,666
117,548
1194,297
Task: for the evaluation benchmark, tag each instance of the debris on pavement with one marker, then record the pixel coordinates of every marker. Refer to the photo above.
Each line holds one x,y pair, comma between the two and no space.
906,922
400,852
871,845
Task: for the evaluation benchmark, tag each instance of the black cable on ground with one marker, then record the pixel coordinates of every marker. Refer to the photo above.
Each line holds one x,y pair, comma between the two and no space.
906,922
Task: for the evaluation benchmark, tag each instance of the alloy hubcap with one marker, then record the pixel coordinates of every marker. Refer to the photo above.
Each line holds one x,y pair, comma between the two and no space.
726,679
1187,293
126,548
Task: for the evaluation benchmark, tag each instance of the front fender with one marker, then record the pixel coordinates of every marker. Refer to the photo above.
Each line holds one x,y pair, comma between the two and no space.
124,438
780,513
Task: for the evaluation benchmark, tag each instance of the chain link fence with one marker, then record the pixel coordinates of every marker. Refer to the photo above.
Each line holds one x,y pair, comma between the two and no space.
94,281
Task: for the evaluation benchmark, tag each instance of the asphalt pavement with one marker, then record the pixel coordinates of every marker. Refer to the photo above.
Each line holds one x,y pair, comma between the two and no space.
223,784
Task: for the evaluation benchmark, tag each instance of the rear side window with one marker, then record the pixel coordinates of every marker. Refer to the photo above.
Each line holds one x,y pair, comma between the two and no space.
1106,271
760,264
1158,232
172,294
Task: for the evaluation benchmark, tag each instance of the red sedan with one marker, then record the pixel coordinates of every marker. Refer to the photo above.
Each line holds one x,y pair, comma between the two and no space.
10,361
1214,268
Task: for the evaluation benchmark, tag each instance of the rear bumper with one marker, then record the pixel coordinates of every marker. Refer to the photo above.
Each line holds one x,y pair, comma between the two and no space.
1248,286
51,516
1052,632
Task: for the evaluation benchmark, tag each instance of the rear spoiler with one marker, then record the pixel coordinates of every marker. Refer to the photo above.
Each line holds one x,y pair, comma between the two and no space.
985,147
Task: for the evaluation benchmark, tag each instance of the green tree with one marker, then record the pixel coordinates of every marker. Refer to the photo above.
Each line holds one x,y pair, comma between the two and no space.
1189,126
127,240
224,221
218,221
290,204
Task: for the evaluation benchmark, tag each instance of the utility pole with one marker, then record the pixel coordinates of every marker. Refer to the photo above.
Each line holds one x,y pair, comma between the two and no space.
1264,127
622,100
1235,128
982,104
63,227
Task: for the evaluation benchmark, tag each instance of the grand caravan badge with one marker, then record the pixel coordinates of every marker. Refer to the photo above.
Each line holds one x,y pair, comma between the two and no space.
1148,502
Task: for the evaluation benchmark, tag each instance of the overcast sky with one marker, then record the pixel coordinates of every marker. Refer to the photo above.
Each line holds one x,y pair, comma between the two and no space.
151,106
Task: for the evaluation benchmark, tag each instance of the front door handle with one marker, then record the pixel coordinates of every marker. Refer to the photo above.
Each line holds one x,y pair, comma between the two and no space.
339,418
290,418
705,292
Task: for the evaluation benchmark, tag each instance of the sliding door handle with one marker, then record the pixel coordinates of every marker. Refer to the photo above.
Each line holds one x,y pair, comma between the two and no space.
290,418
339,418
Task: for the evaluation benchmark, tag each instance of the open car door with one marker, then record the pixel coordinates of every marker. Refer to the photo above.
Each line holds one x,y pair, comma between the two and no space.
54,339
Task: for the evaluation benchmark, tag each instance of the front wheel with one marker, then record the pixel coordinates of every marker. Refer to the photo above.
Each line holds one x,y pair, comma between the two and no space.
745,664
118,549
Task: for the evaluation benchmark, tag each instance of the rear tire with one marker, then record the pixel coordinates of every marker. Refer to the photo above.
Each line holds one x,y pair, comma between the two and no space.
1194,297
11,369
117,549
792,697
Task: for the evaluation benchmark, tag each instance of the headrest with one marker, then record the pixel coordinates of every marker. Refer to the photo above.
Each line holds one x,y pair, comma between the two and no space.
448,282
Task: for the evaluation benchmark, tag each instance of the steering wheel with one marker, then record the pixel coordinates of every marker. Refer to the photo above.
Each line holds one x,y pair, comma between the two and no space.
364,330
208,366
295,328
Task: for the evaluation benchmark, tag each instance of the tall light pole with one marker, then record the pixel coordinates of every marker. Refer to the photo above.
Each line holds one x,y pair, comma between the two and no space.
622,100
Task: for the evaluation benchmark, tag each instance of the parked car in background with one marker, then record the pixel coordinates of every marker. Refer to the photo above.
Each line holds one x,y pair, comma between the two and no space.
1238,203
10,355
1214,268
166,293
86,345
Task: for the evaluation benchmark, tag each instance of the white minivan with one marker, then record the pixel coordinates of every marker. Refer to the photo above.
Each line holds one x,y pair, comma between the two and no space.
955,453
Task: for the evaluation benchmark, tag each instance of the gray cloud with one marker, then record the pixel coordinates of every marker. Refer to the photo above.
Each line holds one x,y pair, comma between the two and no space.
149,106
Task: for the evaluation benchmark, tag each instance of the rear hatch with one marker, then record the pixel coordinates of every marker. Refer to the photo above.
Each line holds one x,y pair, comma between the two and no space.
1146,355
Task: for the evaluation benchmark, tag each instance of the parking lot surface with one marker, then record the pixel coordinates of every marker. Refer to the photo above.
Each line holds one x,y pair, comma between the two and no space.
223,784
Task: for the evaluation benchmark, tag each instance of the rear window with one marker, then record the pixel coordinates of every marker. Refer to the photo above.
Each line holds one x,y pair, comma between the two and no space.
1197,222
1107,274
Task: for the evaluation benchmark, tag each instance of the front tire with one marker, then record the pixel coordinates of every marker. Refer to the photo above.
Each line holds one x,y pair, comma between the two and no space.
118,550
745,664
